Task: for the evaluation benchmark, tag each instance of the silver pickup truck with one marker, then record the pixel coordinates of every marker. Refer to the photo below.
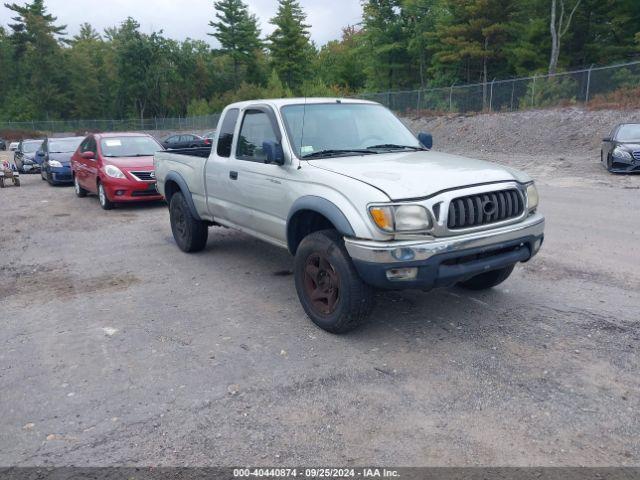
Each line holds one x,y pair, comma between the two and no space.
359,201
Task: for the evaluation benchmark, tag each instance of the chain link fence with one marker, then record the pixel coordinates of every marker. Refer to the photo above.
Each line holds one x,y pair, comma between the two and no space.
207,122
615,84
561,89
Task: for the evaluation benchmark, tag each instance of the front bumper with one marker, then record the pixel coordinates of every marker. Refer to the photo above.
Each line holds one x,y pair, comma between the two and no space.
61,175
125,190
29,166
446,261
620,165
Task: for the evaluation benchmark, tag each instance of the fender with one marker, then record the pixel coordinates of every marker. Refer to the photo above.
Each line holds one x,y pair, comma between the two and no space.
173,176
324,207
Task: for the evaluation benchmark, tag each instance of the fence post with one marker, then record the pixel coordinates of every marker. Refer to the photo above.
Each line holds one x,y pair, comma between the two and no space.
513,89
533,92
491,96
586,97
451,97
418,104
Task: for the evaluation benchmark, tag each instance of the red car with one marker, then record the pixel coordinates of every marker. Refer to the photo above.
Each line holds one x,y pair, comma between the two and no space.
118,167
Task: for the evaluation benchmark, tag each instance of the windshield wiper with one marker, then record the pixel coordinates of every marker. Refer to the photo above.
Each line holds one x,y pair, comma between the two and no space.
333,153
393,146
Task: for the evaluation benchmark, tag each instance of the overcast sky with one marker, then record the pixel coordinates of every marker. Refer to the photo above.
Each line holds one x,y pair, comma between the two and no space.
182,19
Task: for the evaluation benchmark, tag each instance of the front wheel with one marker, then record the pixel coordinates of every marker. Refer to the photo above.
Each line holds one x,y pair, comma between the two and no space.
487,280
329,288
189,233
105,203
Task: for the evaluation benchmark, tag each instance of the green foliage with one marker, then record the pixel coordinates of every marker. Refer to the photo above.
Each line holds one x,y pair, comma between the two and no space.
124,72
546,92
198,107
238,33
341,62
289,45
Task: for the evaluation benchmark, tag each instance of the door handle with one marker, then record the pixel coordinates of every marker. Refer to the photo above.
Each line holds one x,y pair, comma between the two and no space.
233,175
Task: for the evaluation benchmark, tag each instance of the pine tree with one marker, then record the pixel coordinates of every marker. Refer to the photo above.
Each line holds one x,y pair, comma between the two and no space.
238,33
386,39
289,44
471,40
40,74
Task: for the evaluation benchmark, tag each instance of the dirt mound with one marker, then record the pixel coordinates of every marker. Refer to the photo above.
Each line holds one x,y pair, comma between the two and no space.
571,131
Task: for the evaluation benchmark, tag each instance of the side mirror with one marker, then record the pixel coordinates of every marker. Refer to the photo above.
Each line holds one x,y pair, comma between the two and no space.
88,155
426,140
274,153
606,139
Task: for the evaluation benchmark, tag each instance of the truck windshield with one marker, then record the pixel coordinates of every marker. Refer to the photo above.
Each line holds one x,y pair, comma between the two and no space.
129,146
343,129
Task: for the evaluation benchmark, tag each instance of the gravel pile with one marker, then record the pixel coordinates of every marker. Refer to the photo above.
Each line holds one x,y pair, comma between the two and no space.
570,131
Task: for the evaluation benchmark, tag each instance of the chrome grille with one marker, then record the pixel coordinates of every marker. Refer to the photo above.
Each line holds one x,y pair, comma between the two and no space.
636,155
145,176
485,208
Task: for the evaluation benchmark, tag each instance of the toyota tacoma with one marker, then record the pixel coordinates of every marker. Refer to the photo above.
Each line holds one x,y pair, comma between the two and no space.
357,198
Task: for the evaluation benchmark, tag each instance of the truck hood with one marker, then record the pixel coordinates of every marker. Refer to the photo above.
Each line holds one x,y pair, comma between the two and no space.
418,174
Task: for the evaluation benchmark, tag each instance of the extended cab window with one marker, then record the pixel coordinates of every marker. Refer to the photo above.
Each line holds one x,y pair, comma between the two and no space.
226,133
256,129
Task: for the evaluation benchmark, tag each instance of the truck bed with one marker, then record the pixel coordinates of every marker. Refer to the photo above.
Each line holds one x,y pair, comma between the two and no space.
203,152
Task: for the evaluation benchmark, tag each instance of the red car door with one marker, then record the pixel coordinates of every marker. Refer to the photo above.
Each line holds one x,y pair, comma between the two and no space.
78,162
90,166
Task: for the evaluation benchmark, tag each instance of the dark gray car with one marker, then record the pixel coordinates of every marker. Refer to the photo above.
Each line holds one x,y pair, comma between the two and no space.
25,156
185,140
621,149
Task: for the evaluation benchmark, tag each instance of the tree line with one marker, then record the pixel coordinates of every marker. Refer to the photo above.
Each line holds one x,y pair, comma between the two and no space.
400,44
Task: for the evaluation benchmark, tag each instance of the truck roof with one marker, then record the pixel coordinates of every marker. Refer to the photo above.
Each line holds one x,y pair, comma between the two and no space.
281,102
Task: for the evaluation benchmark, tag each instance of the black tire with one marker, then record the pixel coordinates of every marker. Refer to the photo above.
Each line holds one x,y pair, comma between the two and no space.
1,182
104,201
349,300
16,182
80,192
487,280
189,233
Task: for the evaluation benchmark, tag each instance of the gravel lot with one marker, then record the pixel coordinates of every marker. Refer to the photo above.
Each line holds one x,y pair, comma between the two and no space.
118,349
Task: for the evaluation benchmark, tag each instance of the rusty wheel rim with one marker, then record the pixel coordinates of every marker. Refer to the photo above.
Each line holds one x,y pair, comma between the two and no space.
321,284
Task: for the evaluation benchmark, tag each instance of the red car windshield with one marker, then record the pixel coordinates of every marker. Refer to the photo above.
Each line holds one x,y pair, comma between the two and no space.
129,147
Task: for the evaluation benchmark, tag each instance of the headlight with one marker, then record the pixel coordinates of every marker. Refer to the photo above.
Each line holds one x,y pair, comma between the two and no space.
401,218
55,164
533,199
114,172
619,152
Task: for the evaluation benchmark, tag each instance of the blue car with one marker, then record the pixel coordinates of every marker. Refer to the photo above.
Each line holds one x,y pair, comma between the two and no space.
56,156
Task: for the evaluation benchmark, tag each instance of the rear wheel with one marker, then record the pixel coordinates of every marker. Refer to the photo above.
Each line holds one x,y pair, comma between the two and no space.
105,203
80,192
189,233
487,280
329,288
